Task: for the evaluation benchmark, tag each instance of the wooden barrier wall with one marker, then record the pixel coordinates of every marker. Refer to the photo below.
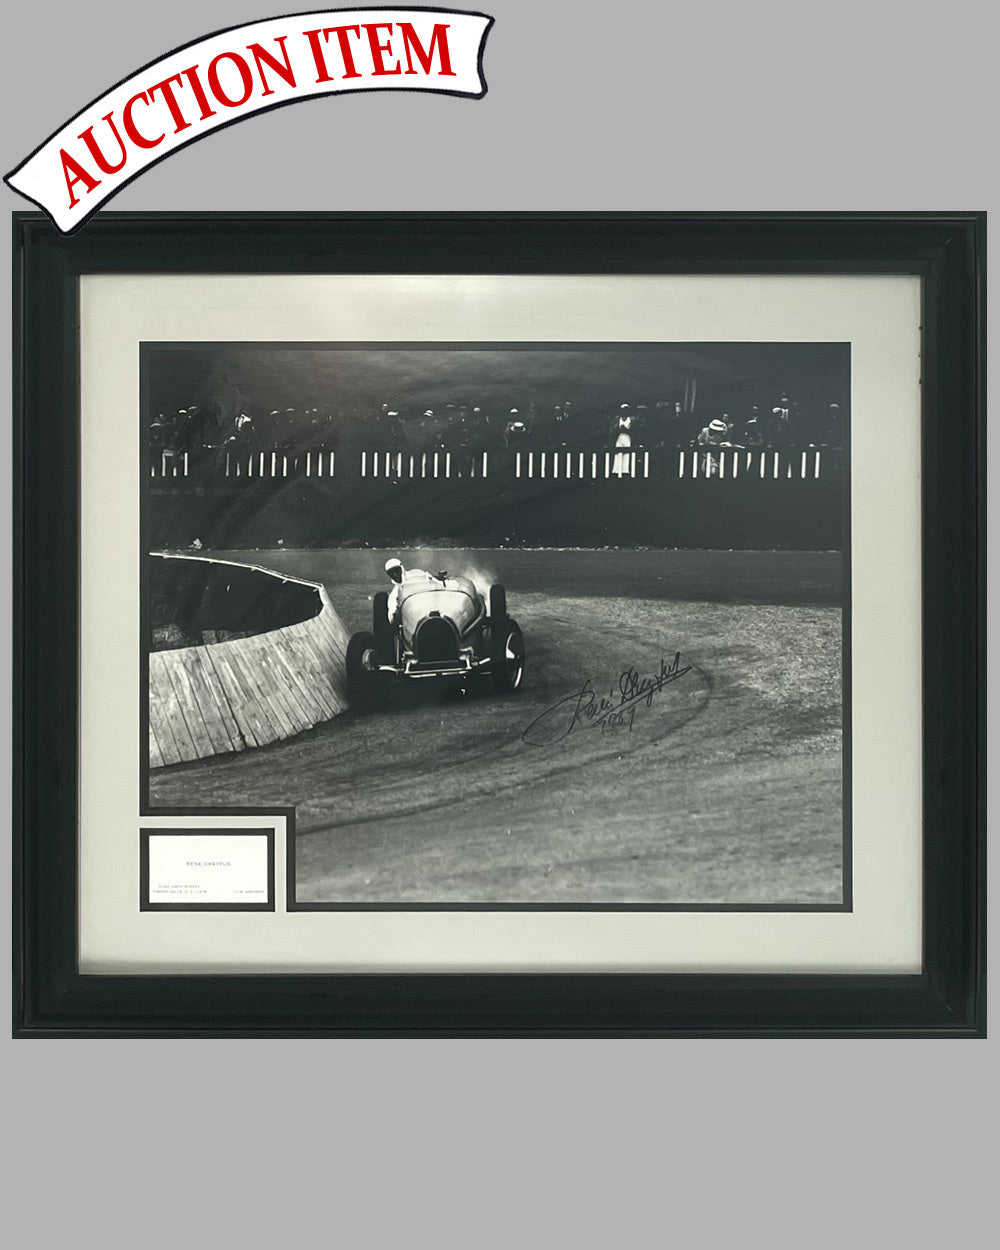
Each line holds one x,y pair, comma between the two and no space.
228,696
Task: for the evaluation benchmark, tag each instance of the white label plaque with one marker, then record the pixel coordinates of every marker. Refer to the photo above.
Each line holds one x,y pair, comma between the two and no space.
207,869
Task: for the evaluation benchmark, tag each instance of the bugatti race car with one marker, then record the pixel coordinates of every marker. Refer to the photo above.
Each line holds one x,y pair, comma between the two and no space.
439,627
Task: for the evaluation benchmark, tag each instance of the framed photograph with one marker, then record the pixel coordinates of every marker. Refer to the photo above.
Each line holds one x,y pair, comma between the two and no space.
500,624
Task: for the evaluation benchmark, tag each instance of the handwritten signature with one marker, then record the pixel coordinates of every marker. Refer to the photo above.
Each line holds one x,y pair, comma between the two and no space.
586,709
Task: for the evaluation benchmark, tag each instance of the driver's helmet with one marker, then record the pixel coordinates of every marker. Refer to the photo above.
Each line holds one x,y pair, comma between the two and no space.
394,570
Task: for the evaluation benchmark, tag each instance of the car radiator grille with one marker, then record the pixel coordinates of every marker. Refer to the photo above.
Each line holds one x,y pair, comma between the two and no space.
435,641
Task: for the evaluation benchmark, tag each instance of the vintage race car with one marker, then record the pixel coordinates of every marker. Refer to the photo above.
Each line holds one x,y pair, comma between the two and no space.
442,627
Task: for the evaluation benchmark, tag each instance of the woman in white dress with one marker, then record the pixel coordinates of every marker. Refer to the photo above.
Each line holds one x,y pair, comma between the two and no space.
622,443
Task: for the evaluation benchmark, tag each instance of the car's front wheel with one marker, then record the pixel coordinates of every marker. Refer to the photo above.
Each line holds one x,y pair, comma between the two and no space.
498,603
506,656
385,642
362,679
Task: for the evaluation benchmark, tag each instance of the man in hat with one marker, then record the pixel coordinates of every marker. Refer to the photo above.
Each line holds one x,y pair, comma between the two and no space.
784,422
752,436
515,431
715,434
400,577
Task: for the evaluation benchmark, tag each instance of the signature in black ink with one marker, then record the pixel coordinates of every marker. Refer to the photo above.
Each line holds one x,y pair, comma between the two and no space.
586,709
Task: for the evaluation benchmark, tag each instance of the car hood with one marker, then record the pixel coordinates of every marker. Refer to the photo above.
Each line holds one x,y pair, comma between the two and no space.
455,598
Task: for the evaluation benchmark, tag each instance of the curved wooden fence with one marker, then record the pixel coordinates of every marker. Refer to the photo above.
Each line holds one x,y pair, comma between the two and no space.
246,692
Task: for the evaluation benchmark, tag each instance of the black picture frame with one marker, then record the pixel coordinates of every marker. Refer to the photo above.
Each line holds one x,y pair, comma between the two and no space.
946,999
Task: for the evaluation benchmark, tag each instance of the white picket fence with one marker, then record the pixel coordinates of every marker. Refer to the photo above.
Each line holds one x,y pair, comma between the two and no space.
418,465
721,464
579,466
733,462
170,464
273,464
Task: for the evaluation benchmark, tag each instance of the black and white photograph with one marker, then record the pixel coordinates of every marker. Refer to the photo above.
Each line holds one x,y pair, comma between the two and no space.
506,625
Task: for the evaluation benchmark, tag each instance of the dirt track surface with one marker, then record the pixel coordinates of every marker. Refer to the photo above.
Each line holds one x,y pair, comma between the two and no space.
718,786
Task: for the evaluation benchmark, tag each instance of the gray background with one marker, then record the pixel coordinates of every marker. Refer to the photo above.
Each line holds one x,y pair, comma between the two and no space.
877,105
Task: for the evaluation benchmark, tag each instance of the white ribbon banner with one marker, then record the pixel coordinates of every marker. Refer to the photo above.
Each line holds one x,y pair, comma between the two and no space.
235,73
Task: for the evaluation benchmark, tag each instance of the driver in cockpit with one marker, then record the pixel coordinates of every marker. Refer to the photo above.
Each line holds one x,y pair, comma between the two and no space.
401,577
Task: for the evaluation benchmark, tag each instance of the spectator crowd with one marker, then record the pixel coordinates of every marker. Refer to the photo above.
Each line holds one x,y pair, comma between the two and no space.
204,430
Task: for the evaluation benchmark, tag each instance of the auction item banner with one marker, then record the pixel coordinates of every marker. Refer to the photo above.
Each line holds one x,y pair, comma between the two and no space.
235,73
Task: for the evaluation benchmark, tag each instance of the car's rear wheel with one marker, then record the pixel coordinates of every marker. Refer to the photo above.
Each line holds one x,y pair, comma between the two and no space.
385,644
362,680
506,656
